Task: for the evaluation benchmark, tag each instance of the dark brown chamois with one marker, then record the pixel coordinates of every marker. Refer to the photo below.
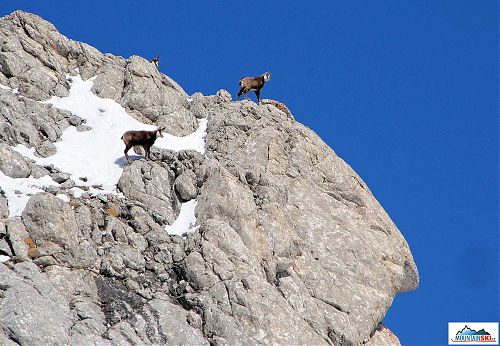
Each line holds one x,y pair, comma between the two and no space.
143,138
155,61
253,83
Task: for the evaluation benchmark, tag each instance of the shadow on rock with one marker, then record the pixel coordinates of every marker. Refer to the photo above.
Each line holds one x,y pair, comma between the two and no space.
122,161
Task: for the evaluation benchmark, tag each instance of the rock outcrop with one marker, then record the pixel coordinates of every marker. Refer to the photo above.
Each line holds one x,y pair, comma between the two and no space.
292,247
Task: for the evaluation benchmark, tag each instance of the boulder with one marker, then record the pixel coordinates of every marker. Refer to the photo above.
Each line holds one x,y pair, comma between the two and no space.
52,226
149,184
185,185
12,163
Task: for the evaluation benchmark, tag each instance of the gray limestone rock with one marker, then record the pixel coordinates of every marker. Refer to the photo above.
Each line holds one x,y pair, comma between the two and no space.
25,121
185,185
19,239
51,224
149,96
4,340
83,127
35,58
67,184
151,185
292,246
198,110
60,177
32,311
46,149
12,163
383,336
223,96
198,97
303,243
172,327
4,207
4,246
38,171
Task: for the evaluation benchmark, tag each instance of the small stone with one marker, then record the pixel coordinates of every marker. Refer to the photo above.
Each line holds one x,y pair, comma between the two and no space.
68,184
185,185
46,149
83,128
75,120
60,177
54,190
223,96
38,171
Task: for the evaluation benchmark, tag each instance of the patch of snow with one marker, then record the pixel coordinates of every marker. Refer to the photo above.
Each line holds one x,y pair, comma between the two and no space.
18,191
76,192
63,197
25,151
4,258
193,141
97,154
5,87
186,221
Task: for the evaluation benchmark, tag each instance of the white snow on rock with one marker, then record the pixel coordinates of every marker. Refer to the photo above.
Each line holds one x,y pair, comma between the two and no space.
4,87
97,154
4,258
185,222
63,197
193,141
18,191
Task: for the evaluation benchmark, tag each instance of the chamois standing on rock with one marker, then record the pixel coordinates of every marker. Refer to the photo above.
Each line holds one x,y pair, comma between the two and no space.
143,138
155,61
253,83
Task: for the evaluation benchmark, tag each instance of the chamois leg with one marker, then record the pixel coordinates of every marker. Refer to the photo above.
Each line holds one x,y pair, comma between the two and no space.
243,92
257,92
147,149
127,148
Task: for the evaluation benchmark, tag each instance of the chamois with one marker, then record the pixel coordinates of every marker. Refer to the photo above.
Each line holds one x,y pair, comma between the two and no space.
155,61
143,138
253,83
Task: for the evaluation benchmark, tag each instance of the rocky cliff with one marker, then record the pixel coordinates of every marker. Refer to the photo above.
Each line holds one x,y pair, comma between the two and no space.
289,246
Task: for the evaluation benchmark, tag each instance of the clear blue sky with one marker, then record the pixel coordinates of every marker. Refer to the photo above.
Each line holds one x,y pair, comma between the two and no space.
405,91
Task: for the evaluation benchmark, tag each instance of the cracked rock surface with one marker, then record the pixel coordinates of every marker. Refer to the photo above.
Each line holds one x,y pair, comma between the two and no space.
292,247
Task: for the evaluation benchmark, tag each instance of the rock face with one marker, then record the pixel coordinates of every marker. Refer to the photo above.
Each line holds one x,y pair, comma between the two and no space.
292,247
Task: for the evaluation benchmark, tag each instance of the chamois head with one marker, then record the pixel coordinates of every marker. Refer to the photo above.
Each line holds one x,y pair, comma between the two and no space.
159,130
267,76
